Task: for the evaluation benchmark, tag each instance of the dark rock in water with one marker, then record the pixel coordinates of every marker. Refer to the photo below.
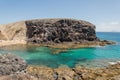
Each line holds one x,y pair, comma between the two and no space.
81,59
60,30
10,64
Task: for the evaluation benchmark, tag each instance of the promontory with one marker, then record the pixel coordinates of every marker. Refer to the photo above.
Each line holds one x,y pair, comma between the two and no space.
56,33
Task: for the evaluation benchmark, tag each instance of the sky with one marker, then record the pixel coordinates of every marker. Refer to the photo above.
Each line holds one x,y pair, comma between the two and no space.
105,14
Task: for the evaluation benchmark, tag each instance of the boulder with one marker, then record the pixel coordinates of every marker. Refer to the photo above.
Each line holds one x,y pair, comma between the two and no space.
11,64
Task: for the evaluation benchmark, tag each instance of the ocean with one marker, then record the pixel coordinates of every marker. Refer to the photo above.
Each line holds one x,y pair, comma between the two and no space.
88,57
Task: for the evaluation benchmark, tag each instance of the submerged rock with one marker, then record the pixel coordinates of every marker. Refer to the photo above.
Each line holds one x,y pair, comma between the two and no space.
104,42
11,64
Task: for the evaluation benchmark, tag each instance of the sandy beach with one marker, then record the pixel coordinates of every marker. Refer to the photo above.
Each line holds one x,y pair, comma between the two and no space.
11,42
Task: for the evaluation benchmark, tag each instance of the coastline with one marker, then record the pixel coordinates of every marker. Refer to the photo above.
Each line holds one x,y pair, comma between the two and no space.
56,48
4,43
64,72
77,73
32,72
64,45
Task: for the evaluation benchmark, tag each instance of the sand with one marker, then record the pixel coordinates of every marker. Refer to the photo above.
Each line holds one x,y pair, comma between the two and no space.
11,42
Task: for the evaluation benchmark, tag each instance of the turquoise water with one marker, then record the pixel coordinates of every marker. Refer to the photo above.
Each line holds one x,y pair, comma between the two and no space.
89,57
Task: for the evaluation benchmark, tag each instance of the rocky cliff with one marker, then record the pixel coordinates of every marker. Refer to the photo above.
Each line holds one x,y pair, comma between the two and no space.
60,30
49,30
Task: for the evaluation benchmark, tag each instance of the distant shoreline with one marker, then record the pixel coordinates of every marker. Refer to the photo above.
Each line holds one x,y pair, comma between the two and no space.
106,32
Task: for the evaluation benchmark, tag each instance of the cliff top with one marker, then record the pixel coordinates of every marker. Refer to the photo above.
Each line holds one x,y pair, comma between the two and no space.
54,20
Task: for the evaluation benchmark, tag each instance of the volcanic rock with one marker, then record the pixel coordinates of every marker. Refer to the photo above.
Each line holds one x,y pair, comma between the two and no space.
11,64
11,67
49,30
78,73
60,30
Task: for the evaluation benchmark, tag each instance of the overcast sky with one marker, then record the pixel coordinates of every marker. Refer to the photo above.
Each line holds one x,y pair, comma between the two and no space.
105,14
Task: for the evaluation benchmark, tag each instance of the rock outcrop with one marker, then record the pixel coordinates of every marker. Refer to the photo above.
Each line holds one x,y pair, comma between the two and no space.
11,64
60,30
49,30
78,73
64,33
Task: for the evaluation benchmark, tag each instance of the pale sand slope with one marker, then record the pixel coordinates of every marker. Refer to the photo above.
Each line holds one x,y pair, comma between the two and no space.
13,33
11,42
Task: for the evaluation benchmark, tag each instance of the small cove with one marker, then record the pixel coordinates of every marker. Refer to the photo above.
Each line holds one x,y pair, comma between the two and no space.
89,57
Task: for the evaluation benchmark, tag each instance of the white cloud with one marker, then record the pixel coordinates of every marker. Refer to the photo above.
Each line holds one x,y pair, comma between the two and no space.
108,27
114,23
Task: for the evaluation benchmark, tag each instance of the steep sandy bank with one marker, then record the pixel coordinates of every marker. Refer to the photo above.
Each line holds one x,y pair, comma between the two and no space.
13,31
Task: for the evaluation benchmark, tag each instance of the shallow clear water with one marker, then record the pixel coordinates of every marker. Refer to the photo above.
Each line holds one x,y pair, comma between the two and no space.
89,57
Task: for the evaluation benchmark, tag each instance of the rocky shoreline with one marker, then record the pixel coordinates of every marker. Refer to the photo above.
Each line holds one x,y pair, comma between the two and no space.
16,68
63,47
73,45
78,73
54,33
56,48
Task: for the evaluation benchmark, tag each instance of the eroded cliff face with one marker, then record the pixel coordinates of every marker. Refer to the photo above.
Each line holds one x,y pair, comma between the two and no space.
60,30
13,31
49,30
